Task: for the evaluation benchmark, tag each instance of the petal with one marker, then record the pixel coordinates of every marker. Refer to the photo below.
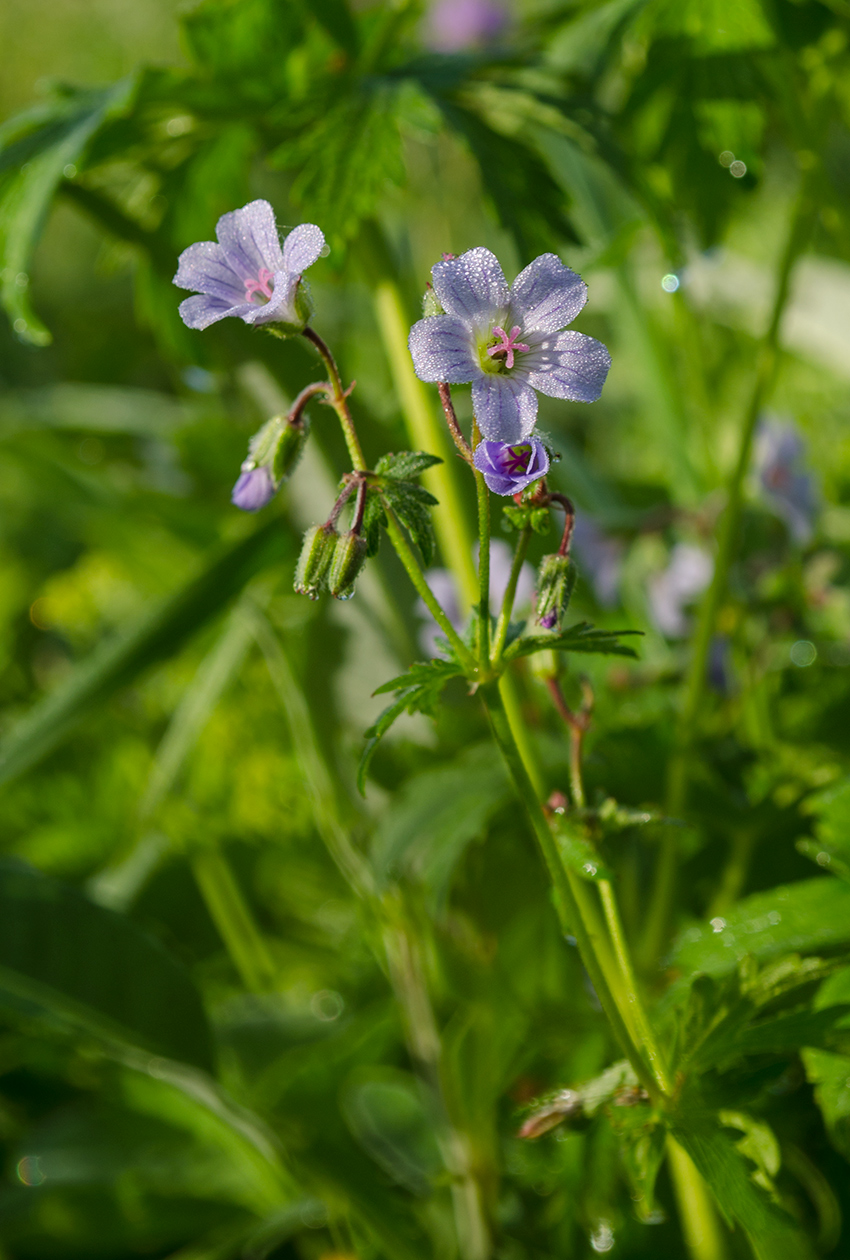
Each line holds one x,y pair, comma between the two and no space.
249,239
201,310
472,287
302,247
281,304
546,296
254,489
570,365
205,269
441,349
505,407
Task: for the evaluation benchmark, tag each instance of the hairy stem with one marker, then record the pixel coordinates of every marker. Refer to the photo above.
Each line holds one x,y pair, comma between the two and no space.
339,402
483,572
405,554
565,885
700,1224
459,440
503,624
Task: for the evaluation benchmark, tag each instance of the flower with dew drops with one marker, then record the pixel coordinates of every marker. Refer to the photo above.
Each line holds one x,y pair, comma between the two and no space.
246,273
510,467
510,343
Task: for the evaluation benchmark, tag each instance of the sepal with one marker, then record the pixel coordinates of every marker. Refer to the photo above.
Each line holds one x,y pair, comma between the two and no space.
316,554
349,556
555,581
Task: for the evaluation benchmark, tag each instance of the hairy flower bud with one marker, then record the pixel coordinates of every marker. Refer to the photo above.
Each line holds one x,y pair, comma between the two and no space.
316,553
555,581
273,452
348,559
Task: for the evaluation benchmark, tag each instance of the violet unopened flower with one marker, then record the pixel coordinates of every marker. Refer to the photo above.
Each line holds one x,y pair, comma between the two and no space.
783,479
510,467
254,489
246,273
508,342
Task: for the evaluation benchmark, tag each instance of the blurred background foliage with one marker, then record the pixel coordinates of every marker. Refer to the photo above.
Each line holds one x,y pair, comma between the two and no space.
243,1012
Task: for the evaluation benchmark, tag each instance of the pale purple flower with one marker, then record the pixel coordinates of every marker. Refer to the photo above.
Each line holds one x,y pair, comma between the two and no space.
508,342
509,468
254,489
786,485
444,586
247,273
455,25
686,576
600,557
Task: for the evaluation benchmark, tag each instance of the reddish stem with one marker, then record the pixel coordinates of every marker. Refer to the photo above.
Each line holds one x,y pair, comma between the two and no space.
452,421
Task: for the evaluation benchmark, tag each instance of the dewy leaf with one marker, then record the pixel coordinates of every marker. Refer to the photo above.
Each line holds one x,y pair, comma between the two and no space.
66,959
811,915
26,194
157,635
405,464
410,504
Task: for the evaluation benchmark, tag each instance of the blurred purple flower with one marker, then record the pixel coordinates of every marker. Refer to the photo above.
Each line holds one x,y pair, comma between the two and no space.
510,468
254,489
686,576
454,25
786,485
508,342
600,559
443,585
246,273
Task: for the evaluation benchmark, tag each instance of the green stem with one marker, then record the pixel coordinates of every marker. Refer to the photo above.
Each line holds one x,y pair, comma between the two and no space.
235,923
483,571
427,433
565,884
640,1018
417,577
695,680
339,402
505,611
700,1224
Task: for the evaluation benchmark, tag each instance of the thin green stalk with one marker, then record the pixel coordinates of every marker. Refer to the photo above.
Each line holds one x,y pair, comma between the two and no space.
483,571
235,922
339,401
696,677
417,577
428,433
700,1223
565,885
639,1015
510,594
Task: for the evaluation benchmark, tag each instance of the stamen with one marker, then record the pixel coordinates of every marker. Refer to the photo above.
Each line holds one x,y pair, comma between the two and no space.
515,459
261,285
508,344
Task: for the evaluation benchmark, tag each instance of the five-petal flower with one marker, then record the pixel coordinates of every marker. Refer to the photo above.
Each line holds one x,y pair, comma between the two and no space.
246,273
509,467
507,369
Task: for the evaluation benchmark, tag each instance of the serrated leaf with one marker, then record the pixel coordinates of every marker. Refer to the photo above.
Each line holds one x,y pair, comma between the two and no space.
26,194
772,1233
811,915
579,638
406,464
418,691
411,504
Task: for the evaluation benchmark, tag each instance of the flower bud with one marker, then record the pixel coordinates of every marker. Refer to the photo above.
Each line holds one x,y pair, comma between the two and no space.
312,567
348,559
290,446
555,581
254,489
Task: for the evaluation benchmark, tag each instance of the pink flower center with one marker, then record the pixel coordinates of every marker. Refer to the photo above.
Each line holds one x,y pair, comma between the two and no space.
515,459
261,285
507,344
